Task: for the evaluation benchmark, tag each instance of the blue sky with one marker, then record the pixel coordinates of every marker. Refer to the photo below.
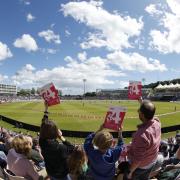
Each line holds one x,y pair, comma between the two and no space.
105,42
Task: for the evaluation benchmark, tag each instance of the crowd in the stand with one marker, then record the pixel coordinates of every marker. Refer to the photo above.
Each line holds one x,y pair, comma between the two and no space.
101,157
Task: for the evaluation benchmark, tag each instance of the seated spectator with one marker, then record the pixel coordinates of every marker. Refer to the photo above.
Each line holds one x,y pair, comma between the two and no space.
77,164
177,144
8,143
173,160
101,154
36,155
170,173
3,147
55,154
17,159
157,167
3,160
164,149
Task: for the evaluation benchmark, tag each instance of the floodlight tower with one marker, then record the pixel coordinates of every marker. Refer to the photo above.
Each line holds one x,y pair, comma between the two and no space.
84,82
16,74
143,81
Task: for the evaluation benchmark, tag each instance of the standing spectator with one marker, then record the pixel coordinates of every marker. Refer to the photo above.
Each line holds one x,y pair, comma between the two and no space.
102,155
55,154
144,149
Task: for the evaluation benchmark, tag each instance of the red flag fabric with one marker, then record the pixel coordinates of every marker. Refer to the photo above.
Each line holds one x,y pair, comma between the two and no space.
114,118
134,90
50,94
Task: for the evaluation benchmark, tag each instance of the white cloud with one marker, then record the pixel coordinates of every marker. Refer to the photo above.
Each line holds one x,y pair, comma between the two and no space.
67,33
4,51
174,6
25,76
160,41
93,40
29,67
26,2
52,51
50,36
27,42
95,69
49,50
135,61
52,25
82,56
168,40
30,17
3,77
152,10
112,30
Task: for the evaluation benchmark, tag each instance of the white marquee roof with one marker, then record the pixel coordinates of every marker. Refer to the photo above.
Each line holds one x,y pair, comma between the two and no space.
170,86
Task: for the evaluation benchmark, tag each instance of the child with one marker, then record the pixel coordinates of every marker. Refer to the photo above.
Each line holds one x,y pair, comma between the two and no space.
77,164
101,155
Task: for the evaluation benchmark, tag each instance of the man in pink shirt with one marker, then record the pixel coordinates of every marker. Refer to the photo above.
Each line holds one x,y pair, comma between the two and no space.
144,149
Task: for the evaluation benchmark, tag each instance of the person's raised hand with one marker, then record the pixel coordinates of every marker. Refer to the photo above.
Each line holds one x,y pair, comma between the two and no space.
60,136
140,99
120,133
59,133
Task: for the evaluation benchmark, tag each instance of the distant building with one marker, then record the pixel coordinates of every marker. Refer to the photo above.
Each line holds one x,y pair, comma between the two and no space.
118,93
8,89
167,92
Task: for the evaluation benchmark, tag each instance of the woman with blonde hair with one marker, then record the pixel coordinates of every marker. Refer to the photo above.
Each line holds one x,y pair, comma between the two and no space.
17,158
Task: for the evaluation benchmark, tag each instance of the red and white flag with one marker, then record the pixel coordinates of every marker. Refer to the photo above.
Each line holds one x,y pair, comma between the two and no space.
49,94
134,90
114,118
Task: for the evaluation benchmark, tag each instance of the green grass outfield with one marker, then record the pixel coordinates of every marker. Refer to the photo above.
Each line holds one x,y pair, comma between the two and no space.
73,115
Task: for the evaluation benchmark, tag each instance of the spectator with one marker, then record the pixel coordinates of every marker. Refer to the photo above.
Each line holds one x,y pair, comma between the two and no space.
177,145
170,173
36,156
162,155
3,160
17,160
55,154
77,164
172,146
164,149
144,149
173,160
101,155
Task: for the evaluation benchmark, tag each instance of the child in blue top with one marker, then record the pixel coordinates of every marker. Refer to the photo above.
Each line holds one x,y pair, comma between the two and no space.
101,154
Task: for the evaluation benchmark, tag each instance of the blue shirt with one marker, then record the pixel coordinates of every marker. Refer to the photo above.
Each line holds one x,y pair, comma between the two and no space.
102,165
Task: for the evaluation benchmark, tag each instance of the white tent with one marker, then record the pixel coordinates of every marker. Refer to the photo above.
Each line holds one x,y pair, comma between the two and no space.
177,86
160,86
171,86
165,86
